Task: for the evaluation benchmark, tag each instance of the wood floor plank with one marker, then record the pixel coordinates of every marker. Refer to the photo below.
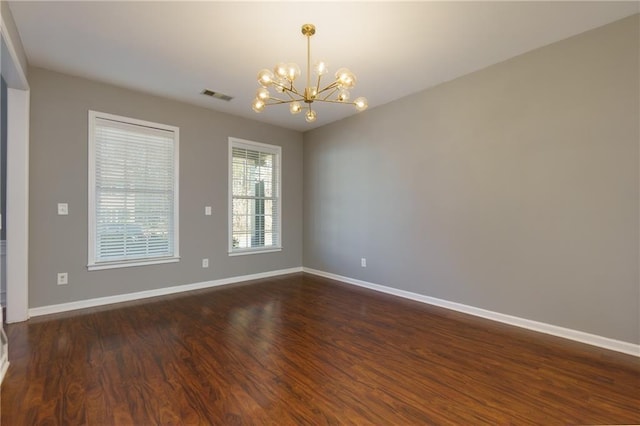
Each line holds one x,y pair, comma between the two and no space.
298,350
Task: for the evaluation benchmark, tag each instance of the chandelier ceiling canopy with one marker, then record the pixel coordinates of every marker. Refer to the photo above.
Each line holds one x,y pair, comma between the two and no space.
282,81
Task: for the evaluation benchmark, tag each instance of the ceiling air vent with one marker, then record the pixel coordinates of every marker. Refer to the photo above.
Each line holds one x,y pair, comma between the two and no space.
217,95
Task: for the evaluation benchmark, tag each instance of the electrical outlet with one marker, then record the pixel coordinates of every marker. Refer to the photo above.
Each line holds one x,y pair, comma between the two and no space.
63,278
205,263
63,209
363,262
207,210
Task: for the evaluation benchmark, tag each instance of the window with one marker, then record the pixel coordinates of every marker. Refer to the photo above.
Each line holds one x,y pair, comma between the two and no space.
133,192
254,197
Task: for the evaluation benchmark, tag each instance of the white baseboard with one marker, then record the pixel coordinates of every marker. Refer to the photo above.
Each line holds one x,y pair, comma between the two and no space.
4,349
100,301
4,366
567,333
3,272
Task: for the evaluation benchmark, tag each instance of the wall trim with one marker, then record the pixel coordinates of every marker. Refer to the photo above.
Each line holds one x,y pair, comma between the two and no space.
108,300
17,205
4,350
3,267
4,366
554,330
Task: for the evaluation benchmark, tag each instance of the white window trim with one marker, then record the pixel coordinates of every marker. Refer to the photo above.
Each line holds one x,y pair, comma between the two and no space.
243,143
92,265
257,250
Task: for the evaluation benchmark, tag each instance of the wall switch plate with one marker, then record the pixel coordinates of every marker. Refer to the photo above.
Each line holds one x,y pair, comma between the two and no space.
205,263
63,278
207,210
63,209
363,262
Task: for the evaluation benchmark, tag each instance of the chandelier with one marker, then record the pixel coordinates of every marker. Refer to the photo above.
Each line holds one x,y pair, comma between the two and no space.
283,77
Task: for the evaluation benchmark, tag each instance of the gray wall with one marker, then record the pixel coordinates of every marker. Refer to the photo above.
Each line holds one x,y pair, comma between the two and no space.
3,157
58,173
3,188
513,189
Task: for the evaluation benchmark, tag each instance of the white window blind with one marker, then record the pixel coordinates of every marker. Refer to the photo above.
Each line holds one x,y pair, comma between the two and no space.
133,191
254,197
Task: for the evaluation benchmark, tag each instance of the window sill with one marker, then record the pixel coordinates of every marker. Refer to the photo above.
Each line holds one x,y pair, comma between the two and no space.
121,264
254,251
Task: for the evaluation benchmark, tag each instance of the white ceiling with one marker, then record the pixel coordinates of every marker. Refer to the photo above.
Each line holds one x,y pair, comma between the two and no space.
177,49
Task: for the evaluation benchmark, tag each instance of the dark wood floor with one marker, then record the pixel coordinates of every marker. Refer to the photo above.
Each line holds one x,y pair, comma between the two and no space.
304,350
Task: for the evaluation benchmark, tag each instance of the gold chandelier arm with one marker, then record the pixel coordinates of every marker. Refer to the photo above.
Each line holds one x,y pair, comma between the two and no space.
277,83
335,89
278,101
333,101
331,86
289,93
290,88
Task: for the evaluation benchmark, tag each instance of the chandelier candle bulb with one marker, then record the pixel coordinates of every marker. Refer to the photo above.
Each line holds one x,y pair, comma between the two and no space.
281,70
310,116
321,69
295,107
258,105
284,75
265,78
293,72
262,94
361,104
